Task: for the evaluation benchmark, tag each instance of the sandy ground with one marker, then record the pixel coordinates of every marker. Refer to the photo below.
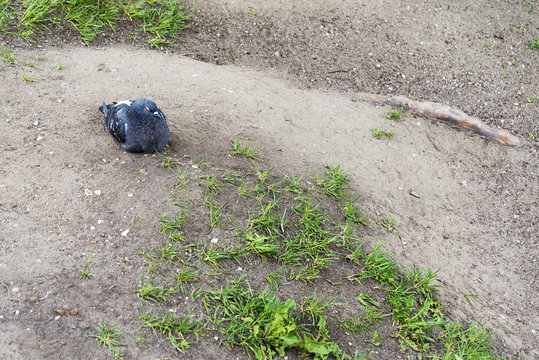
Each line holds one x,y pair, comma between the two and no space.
476,218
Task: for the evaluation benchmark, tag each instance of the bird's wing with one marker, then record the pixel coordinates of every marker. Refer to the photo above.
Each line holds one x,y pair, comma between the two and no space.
117,121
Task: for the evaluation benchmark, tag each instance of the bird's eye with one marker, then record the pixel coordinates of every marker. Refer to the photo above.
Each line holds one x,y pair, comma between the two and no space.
146,109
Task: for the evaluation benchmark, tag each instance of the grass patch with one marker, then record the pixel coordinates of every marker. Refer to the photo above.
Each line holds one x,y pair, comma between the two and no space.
534,44
287,233
160,20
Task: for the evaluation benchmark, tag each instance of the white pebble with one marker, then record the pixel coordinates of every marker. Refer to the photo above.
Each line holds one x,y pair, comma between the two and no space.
97,192
125,232
100,221
214,240
88,192
35,123
15,289
39,137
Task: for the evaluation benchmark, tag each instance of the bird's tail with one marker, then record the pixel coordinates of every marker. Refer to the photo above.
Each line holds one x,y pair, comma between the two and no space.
103,108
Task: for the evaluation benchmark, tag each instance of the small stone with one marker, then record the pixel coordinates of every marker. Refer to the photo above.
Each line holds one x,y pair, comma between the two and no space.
57,317
15,289
60,311
125,232
414,194
73,311
97,192
129,194
35,123
100,221
33,298
88,192
39,138
51,153
214,240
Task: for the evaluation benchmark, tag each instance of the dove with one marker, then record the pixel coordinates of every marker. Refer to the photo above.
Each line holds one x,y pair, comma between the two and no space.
139,125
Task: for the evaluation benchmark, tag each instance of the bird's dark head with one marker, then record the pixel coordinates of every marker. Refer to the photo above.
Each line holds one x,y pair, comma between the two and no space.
147,109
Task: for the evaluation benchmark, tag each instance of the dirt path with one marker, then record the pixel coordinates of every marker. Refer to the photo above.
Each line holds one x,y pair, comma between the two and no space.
476,218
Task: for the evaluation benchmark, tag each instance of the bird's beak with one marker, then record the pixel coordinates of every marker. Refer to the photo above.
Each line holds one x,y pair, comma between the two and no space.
159,115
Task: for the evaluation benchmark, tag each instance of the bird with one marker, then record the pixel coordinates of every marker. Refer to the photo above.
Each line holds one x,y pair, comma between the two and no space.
139,125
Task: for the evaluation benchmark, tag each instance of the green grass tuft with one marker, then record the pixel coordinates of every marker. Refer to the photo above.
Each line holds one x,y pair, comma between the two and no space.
107,335
7,55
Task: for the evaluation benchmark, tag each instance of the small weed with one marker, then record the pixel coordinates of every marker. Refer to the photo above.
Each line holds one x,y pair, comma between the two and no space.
335,183
41,57
473,342
375,339
534,44
32,64
59,65
213,186
379,133
27,78
157,293
109,336
169,163
504,75
531,134
84,270
186,275
214,211
213,253
388,222
179,330
246,150
169,251
352,214
532,99
396,114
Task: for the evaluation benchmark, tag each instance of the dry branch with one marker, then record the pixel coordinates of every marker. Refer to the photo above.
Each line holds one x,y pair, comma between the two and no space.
445,113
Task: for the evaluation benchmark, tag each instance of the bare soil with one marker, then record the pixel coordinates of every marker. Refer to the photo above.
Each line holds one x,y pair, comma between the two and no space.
68,190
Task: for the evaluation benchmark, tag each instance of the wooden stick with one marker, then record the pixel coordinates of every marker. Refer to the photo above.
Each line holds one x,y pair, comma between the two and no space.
445,113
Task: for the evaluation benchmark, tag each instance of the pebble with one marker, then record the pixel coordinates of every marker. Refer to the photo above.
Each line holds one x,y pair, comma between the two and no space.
35,123
214,240
125,232
39,137
88,192
414,194
97,192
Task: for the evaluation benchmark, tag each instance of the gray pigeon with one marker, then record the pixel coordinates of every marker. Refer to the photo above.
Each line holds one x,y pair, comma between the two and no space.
138,125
